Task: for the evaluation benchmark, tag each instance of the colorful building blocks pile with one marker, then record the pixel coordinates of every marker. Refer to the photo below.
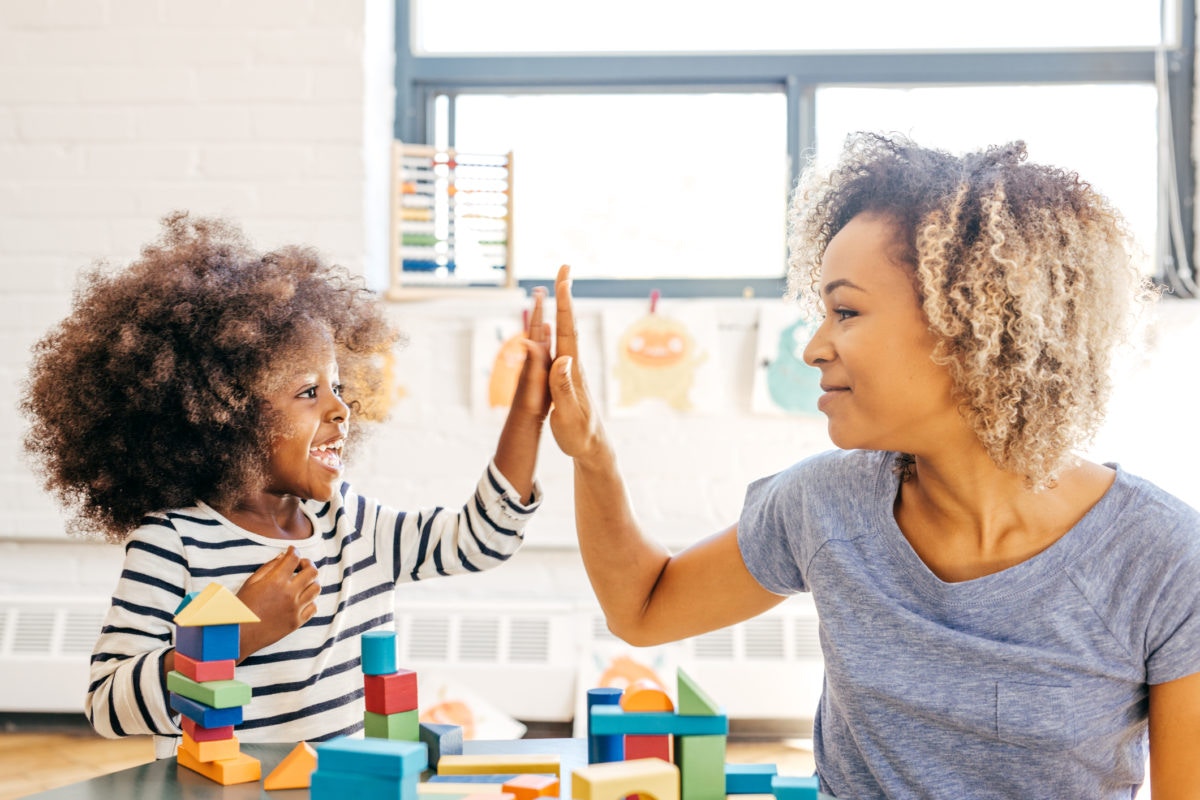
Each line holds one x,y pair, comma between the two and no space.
379,769
202,686
390,693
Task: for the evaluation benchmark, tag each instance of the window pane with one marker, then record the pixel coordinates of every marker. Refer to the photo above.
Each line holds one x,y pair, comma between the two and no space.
1108,134
641,185
646,26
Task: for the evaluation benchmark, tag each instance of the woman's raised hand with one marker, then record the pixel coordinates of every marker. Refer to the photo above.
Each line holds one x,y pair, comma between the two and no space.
575,427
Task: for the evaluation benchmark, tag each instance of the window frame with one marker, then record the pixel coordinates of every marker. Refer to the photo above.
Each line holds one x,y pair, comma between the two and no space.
419,79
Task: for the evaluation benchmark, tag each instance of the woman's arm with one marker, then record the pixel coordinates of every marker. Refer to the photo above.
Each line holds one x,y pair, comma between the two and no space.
648,595
1175,739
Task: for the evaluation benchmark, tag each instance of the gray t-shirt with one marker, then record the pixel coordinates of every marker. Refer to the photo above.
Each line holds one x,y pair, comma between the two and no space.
1028,683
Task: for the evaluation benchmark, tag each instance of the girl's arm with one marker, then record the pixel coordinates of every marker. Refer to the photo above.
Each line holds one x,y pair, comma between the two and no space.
648,595
1175,739
516,452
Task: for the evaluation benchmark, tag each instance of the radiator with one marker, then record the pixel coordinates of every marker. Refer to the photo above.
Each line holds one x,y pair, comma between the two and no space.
528,659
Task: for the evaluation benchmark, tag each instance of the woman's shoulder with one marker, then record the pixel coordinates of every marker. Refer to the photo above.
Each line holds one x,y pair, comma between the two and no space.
836,467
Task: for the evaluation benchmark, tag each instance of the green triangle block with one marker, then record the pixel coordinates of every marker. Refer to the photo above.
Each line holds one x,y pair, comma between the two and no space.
693,701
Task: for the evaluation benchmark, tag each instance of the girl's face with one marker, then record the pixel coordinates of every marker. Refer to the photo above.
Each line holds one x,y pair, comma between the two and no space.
882,390
306,454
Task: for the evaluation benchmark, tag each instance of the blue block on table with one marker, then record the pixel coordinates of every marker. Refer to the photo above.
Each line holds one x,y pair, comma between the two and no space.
610,747
749,778
328,784
204,715
787,787
208,642
442,740
390,758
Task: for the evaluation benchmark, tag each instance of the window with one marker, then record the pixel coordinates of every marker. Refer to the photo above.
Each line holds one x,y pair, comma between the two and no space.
647,150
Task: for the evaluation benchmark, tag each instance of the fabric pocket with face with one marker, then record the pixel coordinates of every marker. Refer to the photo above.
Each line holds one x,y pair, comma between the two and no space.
1036,716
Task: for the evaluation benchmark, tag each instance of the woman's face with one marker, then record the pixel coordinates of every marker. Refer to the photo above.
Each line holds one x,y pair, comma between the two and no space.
306,453
882,390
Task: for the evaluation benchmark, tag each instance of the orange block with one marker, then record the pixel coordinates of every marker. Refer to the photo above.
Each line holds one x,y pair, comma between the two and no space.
528,787
295,771
646,695
242,769
211,750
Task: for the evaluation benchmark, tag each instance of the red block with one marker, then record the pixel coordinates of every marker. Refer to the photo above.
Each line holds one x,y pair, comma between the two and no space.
201,734
201,671
648,746
391,694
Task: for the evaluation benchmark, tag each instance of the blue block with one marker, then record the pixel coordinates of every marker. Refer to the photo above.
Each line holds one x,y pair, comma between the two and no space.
208,642
442,740
391,758
749,778
609,748
787,787
206,716
187,598
379,653
328,784
614,719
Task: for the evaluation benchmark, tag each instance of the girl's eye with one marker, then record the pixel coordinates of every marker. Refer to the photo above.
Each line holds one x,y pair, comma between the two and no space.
338,388
309,394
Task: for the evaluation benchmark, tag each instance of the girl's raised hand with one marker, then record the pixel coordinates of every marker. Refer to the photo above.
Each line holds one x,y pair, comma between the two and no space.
533,395
575,427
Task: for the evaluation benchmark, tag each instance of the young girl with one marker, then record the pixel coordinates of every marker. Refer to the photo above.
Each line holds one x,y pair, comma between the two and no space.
197,406
998,617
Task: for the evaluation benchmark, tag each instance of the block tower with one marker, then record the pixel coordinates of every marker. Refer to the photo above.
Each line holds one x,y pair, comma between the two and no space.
202,687
390,693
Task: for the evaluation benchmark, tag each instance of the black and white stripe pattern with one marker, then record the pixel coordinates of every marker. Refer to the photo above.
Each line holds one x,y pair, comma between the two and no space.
309,685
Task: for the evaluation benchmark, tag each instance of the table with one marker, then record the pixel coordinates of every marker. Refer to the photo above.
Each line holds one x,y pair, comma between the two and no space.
164,779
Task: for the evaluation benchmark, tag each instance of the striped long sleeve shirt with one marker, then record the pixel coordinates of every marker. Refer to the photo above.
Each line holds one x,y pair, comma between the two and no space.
308,686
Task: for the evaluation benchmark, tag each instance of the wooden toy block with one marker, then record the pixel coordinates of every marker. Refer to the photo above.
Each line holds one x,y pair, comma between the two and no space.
214,750
208,642
609,747
216,694
202,734
330,784
619,779
214,605
295,771
379,653
646,695
391,759
441,740
187,598
499,763
692,699
788,787
652,746
489,778
202,671
458,789
391,694
226,772
701,762
205,716
749,778
404,726
612,719
528,787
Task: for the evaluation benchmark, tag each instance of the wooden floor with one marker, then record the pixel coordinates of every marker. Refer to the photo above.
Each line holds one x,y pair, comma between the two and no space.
32,761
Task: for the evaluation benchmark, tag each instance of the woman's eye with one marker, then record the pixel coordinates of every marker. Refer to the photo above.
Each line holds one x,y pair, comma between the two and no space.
844,314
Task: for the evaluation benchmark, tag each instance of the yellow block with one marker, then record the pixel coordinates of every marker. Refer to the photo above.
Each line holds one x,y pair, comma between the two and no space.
216,605
435,790
619,779
242,769
216,750
295,771
498,764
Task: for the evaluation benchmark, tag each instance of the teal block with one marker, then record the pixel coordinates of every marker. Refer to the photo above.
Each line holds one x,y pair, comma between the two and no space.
614,719
749,778
386,757
787,787
328,784
379,653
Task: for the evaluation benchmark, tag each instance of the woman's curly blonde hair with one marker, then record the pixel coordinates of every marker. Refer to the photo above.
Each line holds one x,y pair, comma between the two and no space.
152,394
1023,271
